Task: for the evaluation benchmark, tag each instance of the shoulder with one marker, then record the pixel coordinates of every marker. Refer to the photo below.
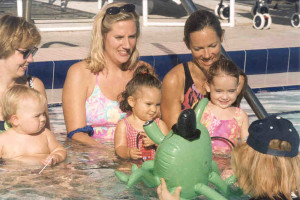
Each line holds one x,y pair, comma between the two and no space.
47,133
80,67
122,123
79,71
175,75
240,112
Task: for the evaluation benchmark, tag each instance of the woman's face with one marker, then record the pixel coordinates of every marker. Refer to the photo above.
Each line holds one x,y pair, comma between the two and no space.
16,65
205,46
120,42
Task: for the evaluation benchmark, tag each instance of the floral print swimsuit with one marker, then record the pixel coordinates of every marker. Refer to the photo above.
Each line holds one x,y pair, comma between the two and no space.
102,114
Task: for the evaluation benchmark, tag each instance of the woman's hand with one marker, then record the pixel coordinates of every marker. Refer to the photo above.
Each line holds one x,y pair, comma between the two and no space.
135,153
164,194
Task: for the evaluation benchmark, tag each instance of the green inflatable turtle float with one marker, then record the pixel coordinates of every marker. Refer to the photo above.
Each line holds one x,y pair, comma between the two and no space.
183,158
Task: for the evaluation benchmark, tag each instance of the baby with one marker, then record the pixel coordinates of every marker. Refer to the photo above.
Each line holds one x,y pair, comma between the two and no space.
28,140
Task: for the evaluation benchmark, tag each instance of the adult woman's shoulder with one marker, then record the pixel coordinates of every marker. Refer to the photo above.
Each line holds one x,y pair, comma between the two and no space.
174,76
79,67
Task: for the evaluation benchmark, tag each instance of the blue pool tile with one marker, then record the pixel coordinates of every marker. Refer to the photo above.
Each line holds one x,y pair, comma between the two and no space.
256,61
163,64
238,57
43,71
294,65
182,58
147,59
60,72
277,60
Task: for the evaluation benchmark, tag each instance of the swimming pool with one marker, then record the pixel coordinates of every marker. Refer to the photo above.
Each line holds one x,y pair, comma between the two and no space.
88,173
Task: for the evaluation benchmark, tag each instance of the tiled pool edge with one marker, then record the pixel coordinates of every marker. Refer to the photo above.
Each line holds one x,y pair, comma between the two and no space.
268,69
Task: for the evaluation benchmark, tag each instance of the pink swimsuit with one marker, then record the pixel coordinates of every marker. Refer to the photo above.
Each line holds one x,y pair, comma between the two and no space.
103,114
229,129
132,137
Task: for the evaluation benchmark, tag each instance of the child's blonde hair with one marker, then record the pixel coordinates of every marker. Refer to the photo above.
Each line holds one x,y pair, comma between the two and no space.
14,95
268,165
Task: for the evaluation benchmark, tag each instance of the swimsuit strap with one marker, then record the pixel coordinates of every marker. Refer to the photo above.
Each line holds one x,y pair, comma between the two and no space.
96,78
29,80
188,77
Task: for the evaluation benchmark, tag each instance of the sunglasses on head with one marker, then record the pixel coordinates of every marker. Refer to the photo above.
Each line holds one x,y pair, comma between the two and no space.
27,52
116,10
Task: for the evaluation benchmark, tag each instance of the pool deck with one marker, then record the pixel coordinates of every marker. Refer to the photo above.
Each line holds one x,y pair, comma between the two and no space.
162,40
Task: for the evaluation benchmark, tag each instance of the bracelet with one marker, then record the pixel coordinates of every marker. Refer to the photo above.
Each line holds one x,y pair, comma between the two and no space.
87,129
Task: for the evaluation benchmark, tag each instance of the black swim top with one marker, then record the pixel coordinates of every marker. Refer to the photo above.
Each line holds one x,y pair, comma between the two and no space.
191,95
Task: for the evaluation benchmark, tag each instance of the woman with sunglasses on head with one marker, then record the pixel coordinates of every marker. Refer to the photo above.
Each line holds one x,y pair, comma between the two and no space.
92,86
183,86
18,41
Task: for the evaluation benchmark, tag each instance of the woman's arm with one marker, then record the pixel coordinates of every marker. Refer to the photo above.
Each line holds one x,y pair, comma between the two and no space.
163,127
172,94
39,86
74,97
121,147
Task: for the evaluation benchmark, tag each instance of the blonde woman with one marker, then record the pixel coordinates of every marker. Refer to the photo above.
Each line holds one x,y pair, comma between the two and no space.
92,86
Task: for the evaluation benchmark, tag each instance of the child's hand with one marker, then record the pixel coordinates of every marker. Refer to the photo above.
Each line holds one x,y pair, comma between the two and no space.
135,153
47,160
54,159
164,194
147,142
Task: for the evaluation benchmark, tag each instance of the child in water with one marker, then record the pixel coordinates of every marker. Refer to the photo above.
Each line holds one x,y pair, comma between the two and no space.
28,140
267,166
227,124
142,98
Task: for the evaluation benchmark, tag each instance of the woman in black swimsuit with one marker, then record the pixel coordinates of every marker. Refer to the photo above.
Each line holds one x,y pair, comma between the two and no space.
18,41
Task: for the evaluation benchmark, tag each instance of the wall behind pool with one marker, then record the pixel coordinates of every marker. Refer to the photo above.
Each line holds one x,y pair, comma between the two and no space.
264,66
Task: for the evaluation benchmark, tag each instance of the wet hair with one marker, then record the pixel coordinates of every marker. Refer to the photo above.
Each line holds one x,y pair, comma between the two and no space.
229,68
142,77
263,175
101,26
199,20
16,94
15,33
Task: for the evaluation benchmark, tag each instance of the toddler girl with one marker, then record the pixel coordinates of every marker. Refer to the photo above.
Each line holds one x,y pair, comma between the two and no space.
142,98
226,124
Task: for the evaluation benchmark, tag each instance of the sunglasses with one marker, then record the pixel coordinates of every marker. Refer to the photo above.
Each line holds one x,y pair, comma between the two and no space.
116,10
27,52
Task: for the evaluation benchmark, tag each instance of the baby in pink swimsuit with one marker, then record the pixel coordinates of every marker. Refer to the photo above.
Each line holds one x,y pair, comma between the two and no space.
142,98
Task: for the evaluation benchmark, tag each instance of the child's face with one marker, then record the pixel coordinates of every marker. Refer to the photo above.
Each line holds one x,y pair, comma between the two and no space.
146,103
31,116
223,90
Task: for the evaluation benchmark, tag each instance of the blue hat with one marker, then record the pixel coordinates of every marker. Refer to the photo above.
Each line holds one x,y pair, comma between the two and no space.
261,132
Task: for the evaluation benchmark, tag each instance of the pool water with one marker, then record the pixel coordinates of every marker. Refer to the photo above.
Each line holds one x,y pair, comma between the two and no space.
88,173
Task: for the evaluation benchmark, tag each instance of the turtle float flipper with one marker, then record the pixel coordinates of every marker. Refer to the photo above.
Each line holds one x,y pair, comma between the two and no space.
205,190
122,176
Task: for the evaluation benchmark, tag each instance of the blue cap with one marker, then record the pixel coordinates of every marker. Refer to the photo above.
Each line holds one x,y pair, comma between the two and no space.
262,131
